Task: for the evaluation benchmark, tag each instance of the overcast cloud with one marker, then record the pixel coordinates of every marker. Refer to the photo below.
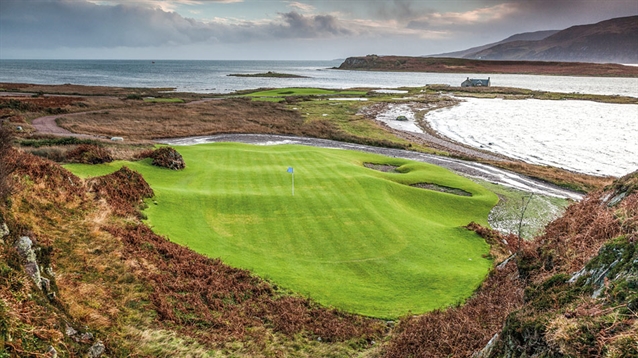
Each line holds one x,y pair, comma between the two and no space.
279,29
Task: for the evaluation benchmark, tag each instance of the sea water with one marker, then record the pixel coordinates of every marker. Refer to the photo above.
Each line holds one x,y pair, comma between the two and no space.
582,136
212,76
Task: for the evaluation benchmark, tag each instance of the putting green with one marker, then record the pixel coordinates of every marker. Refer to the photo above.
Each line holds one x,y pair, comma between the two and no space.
351,237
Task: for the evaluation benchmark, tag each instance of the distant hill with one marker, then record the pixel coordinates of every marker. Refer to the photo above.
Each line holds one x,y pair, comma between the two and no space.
614,41
525,36
463,65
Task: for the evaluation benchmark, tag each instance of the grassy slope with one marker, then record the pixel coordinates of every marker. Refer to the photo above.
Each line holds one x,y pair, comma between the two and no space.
351,237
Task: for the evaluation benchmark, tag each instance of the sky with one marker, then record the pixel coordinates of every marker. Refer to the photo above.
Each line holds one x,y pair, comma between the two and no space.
277,29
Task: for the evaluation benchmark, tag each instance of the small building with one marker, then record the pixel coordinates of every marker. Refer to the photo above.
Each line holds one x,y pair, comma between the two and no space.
476,82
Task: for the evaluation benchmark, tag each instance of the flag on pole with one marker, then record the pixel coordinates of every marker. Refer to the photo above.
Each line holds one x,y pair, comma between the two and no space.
293,179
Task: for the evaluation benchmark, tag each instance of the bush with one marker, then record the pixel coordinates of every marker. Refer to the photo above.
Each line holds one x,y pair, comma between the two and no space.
54,154
42,142
89,154
168,157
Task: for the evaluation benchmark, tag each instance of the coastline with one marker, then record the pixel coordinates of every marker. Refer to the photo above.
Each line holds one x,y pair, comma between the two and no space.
468,66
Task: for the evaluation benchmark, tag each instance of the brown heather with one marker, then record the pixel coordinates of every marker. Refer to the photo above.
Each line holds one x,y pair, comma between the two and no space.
115,278
123,190
214,303
207,118
566,246
575,238
460,331
89,154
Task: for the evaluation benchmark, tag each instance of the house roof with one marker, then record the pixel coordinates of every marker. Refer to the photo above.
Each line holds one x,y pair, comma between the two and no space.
479,82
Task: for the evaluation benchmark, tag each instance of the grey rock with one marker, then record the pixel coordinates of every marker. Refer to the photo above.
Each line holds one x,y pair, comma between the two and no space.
4,230
46,285
97,349
70,331
86,337
24,247
487,350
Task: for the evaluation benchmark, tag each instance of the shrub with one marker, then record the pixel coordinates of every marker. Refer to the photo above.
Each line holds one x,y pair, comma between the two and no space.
46,141
89,154
124,190
168,157
51,153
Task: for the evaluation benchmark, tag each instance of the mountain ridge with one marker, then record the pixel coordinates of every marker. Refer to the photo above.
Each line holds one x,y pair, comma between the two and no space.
614,40
524,36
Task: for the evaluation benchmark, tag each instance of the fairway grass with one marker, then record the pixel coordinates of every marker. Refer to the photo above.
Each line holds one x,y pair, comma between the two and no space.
351,237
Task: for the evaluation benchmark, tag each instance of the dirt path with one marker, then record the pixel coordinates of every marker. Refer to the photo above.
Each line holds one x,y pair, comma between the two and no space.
48,125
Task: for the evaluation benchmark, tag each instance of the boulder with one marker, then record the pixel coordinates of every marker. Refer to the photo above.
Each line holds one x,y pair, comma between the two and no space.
4,230
97,349
25,249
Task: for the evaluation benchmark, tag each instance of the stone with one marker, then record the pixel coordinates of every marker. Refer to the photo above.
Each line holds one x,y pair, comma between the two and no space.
97,349
70,331
51,353
86,337
4,230
24,247
487,350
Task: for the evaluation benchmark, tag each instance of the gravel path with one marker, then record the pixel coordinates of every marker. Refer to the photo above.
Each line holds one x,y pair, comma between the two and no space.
466,168
48,125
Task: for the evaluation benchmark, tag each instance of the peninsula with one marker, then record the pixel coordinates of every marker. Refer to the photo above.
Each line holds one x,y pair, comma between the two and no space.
462,65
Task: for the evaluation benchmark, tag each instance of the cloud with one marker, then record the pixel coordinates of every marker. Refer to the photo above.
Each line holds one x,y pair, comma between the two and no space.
487,15
301,7
297,25
72,23
166,5
390,27
395,10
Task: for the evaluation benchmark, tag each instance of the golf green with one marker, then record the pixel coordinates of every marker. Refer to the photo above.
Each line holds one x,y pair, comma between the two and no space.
351,237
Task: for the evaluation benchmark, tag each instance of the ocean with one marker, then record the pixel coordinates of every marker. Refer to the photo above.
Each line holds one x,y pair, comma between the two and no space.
212,76
584,136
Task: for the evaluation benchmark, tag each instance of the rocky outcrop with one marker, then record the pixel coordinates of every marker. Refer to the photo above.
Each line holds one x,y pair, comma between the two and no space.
24,245
591,312
352,63
97,349
27,251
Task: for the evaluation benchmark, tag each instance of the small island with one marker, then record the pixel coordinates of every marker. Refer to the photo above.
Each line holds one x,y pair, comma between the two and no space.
267,74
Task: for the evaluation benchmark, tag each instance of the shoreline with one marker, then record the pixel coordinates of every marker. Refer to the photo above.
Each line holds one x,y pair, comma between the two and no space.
468,66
